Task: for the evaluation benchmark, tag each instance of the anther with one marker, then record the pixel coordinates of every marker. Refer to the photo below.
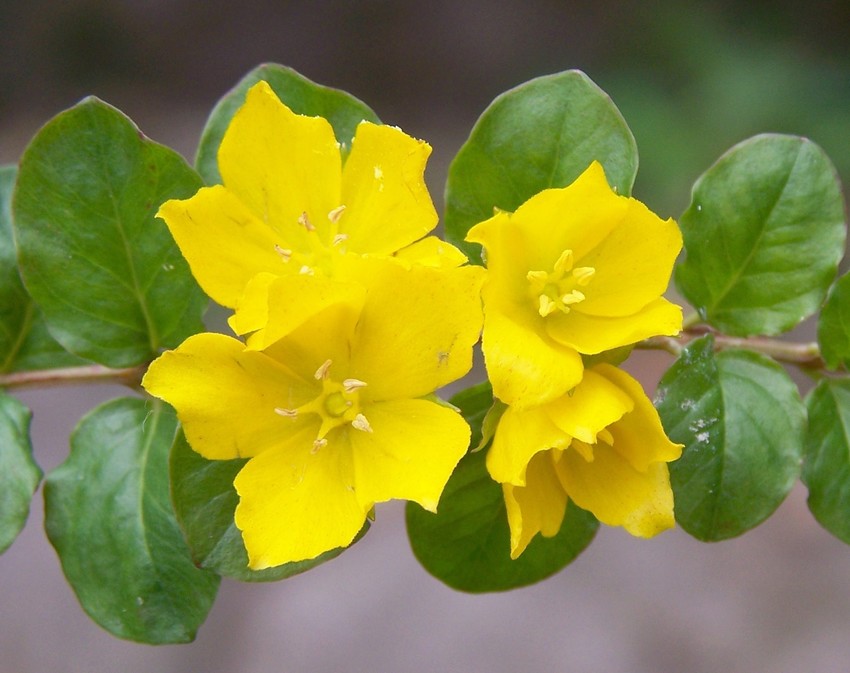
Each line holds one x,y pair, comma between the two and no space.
320,443
336,213
545,305
565,262
340,238
306,270
360,423
283,252
606,436
304,221
350,385
322,371
572,297
583,274
286,413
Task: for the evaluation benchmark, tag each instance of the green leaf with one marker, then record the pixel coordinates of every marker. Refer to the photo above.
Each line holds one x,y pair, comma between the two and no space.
109,517
24,340
107,275
763,236
301,95
466,544
834,325
742,422
204,500
19,474
826,469
542,134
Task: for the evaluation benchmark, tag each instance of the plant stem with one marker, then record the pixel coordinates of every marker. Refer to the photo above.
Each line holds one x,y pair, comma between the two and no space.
806,355
129,376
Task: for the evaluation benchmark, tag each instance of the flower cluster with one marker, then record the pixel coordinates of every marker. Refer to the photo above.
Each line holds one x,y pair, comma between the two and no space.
336,291
574,272
351,316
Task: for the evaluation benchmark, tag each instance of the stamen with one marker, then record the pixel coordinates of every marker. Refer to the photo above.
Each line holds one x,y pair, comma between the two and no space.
304,221
572,297
360,423
283,252
336,213
350,385
306,271
286,413
565,262
546,306
340,238
583,274
606,436
322,371
320,443
378,173
538,276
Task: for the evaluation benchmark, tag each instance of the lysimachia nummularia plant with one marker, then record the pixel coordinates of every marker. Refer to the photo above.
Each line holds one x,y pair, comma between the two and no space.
260,454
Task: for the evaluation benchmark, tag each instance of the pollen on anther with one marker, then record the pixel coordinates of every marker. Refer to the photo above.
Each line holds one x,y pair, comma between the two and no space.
336,213
322,371
304,221
320,443
340,238
286,413
350,385
285,253
360,423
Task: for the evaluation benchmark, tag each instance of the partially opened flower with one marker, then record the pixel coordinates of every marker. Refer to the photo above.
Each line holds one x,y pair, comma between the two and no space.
601,446
289,205
577,270
334,416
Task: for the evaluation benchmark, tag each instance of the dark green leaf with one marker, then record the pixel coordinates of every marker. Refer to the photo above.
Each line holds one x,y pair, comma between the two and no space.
109,516
342,110
466,544
19,474
107,275
763,236
742,422
543,133
826,469
834,325
24,340
205,500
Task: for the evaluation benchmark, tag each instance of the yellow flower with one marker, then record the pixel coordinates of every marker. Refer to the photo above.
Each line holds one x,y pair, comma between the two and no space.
602,446
334,416
288,205
573,270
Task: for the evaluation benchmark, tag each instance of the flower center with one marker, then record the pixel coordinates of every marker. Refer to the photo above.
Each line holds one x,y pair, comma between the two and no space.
558,290
336,405
320,250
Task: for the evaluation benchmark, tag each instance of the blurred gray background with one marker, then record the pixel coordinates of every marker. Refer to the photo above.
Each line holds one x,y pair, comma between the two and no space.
691,79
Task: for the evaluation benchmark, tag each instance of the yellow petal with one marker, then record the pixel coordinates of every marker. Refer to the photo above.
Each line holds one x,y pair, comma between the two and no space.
224,243
295,505
633,264
525,367
226,397
507,262
281,165
577,217
595,404
412,449
617,494
593,334
252,310
292,300
520,435
387,205
417,329
431,251
638,436
539,507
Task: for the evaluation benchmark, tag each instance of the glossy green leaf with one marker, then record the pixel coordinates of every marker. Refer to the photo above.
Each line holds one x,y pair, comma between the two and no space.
826,468
19,474
109,516
301,95
834,325
24,340
204,500
742,422
763,236
542,134
466,544
107,275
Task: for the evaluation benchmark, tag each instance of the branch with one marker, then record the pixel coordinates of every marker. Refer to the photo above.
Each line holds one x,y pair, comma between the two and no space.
129,376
